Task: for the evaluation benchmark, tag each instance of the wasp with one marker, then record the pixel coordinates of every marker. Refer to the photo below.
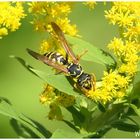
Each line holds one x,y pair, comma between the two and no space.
83,81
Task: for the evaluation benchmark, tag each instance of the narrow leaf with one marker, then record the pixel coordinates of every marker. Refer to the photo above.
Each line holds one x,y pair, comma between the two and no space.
72,126
60,133
78,117
94,54
137,110
50,78
7,110
54,80
125,126
21,130
136,86
6,100
41,128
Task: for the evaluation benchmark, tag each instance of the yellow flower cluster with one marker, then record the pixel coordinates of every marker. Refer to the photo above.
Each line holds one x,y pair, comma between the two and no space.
46,12
112,87
126,48
127,54
51,95
55,99
114,84
126,15
46,46
90,4
51,45
10,16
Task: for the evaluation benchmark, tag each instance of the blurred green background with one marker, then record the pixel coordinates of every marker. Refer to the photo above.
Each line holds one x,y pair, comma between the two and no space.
23,89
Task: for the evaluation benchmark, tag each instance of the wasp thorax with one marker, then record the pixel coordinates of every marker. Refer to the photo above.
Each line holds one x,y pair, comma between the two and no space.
75,70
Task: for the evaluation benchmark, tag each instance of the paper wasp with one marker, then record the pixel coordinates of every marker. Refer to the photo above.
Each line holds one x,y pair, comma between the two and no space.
84,81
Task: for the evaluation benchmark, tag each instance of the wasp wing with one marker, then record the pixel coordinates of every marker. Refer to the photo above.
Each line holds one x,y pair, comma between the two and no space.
63,42
47,61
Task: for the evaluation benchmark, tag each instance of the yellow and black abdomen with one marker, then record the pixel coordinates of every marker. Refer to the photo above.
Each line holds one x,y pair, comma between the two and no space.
56,57
84,80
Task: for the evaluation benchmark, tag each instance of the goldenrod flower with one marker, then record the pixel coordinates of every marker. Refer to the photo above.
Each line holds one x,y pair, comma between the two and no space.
128,68
52,45
47,12
112,84
48,95
67,27
90,4
3,32
133,32
10,16
45,46
51,95
65,100
126,15
115,83
117,46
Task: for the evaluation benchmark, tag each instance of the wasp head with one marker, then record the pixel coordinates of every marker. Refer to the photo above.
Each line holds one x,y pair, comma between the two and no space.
86,82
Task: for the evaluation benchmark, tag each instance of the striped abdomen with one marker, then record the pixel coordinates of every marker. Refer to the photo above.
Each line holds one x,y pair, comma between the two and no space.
56,57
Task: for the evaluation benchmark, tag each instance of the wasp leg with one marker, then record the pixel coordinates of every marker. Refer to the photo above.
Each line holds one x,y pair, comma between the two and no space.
75,86
80,55
67,57
58,72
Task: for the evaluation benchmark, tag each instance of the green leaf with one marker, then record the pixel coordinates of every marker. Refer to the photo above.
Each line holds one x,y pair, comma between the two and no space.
21,130
137,78
125,126
136,86
139,66
60,133
101,107
24,64
50,78
73,126
54,80
41,128
94,54
137,110
6,100
78,117
7,110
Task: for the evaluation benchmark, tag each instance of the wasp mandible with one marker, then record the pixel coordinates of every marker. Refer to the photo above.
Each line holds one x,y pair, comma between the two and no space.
84,81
